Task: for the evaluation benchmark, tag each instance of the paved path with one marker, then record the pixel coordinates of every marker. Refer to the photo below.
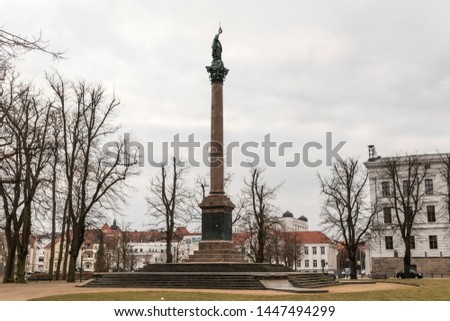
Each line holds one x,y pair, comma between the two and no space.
23,292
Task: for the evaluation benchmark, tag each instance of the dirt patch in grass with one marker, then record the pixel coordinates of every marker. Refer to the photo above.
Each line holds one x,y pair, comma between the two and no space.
58,289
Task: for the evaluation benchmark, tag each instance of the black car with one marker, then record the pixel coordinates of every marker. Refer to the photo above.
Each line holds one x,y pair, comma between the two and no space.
411,275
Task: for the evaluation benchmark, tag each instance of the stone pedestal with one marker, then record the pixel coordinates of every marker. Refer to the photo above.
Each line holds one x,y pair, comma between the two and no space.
217,244
217,252
216,217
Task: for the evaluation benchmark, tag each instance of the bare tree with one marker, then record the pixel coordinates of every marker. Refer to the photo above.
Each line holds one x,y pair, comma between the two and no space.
406,175
168,201
126,255
94,179
13,45
55,164
345,209
26,121
101,264
290,252
257,198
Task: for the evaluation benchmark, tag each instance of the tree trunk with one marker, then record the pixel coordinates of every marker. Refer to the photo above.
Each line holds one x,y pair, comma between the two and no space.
353,264
22,246
53,233
21,264
407,258
66,250
8,274
72,265
261,243
169,255
75,244
61,242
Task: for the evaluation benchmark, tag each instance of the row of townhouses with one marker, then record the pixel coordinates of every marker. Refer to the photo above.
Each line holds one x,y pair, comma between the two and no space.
315,251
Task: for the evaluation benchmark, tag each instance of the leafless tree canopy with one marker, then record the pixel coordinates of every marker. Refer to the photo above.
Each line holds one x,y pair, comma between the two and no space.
345,210
12,45
25,123
406,174
95,181
168,201
258,209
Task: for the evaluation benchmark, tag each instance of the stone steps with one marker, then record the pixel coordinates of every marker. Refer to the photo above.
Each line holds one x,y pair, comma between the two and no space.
214,267
207,280
311,280
197,281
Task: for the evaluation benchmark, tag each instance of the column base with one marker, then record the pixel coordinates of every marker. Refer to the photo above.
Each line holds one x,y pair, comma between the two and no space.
216,218
217,252
216,245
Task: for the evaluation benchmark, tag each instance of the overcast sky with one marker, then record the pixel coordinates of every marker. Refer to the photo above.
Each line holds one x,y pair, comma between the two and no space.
370,72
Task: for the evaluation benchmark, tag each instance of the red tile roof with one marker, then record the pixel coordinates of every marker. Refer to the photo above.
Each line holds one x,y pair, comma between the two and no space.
312,237
304,237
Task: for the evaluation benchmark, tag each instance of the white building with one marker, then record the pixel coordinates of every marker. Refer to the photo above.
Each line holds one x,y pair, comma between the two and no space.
318,254
188,244
36,253
292,224
430,243
151,252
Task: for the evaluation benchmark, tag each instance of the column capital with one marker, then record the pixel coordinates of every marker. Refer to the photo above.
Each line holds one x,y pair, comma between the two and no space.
217,71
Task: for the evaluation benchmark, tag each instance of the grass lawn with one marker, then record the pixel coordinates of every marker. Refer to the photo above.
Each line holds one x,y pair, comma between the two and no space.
428,290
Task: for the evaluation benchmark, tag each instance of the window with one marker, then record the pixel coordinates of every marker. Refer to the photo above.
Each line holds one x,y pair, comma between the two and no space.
389,242
299,264
322,250
433,242
413,242
387,215
315,263
385,189
307,263
431,213
306,250
314,250
406,187
322,262
141,250
429,187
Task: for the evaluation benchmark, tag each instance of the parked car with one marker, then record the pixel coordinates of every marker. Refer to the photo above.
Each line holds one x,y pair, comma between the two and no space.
411,275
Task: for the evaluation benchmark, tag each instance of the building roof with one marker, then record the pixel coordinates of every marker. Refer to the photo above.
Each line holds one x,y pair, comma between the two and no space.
303,218
303,237
240,237
287,214
145,236
308,237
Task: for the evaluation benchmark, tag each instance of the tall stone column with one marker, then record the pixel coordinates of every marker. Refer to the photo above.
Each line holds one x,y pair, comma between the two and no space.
217,208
